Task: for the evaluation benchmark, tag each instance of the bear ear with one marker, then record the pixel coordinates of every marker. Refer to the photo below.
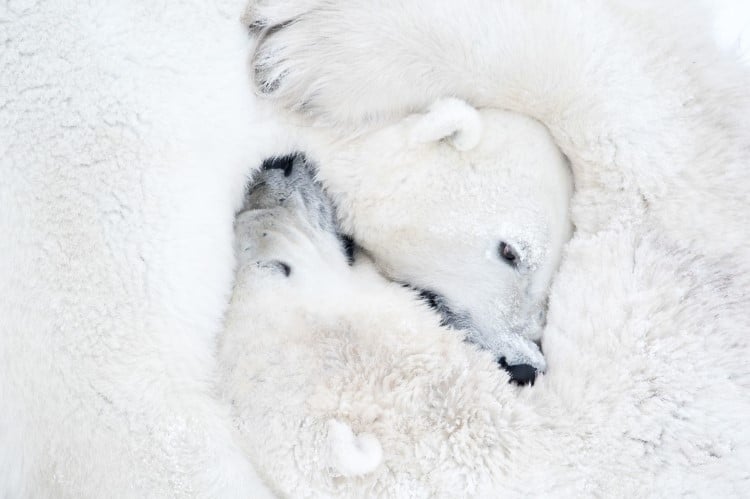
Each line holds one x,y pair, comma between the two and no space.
449,119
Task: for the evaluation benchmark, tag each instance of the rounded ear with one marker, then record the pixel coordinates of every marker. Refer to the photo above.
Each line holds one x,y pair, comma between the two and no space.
449,119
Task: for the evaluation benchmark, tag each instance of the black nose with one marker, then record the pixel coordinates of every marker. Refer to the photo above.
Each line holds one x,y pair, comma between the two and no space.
521,374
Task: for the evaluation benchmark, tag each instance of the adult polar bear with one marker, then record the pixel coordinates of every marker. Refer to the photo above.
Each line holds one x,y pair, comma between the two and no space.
126,133
123,145
360,393
606,79
655,123
440,203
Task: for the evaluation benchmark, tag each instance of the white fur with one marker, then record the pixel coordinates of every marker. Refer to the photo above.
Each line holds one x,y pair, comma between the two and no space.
350,454
433,215
646,392
732,27
342,383
126,133
637,404
452,120
123,144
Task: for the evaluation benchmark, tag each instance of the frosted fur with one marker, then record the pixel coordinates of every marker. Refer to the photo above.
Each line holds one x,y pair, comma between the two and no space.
432,197
357,389
359,392
646,340
125,136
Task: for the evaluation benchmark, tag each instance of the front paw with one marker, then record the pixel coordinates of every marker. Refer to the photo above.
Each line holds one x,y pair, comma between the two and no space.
338,62
289,59
262,14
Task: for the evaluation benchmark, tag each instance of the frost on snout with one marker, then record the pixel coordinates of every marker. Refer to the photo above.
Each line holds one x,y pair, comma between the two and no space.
518,355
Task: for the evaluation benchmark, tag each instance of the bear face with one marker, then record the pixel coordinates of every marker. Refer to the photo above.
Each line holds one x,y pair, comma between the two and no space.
287,224
347,373
291,258
472,207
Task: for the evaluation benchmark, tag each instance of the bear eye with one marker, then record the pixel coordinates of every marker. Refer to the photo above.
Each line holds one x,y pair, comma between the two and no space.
508,254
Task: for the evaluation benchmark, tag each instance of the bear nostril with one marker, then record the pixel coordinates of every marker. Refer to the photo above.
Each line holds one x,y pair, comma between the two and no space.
521,374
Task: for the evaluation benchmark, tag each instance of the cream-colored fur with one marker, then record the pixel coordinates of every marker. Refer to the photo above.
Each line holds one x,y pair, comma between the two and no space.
126,133
342,383
433,197
125,137
646,343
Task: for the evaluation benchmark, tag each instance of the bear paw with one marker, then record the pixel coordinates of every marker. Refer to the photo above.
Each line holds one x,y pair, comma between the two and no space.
283,66
330,60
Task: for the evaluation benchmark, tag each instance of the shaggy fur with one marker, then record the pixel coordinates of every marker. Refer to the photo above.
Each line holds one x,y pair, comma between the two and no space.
357,389
647,346
434,196
359,392
125,138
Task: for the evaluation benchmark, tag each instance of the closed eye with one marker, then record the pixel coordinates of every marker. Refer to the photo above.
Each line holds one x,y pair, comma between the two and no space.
276,266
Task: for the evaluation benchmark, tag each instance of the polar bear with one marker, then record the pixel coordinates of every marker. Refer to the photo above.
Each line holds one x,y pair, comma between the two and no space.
646,336
343,384
607,79
471,208
334,373
120,167
608,94
605,104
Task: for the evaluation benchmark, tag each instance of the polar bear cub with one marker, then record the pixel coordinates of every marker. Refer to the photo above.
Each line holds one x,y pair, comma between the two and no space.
339,380
321,360
294,282
469,206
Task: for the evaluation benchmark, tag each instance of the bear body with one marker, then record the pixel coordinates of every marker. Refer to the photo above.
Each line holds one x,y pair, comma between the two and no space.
126,133
646,336
126,136
341,382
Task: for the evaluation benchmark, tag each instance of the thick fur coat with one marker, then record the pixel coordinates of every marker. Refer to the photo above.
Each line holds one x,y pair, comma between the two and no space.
647,336
126,133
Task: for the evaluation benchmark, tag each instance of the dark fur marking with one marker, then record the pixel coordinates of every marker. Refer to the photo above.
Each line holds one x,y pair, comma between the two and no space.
520,374
284,267
285,163
348,244
448,316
